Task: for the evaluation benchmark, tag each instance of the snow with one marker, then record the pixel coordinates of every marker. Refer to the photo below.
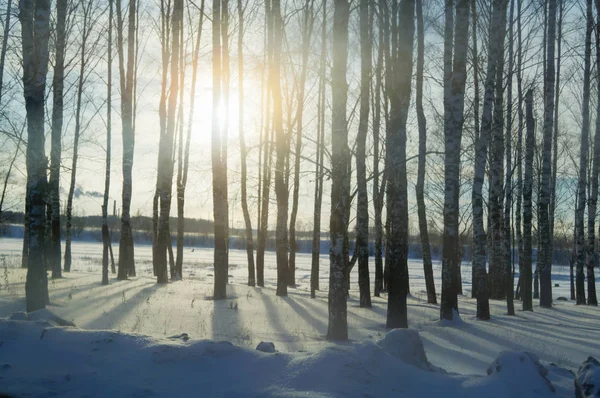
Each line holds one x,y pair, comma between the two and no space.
164,339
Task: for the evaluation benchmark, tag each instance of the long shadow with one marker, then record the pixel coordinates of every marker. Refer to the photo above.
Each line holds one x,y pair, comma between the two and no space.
122,310
304,314
226,323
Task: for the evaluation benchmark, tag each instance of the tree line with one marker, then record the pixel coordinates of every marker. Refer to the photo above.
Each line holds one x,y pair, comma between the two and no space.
374,102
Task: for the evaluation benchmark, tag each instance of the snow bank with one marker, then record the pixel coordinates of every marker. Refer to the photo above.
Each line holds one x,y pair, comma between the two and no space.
38,358
587,382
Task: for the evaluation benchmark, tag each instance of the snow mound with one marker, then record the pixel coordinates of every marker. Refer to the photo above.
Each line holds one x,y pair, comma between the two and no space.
515,374
43,315
587,382
406,345
37,360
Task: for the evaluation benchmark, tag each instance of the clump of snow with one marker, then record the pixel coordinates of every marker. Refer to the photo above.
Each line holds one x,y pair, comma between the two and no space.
587,382
512,371
43,315
266,346
406,345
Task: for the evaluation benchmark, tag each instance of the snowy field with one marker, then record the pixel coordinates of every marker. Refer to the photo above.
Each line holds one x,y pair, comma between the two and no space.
564,335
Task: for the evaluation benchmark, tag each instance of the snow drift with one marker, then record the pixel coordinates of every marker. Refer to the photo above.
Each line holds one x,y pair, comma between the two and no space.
39,358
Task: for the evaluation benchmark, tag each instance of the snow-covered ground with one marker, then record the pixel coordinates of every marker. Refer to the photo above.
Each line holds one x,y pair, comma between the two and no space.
564,335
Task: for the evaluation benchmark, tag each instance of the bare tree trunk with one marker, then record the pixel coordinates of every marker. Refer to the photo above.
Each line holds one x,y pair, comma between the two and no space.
556,113
282,151
83,61
165,170
545,252
519,150
219,168
420,188
481,147
398,86
243,150
526,268
476,102
105,233
35,32
165,34
508,192
316,242
377,190
340,189
583,164
456,38
126,249
53,257
267,158
362,209
592,251
496,198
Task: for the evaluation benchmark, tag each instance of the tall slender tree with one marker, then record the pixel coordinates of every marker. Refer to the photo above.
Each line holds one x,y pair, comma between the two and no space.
316,239
526,267
583,161
398,85
545,244
592,262
456,38
35,32
362,208
243,150
340,190
420,187
307,28
105,232
126,78
53,256
183,168
219,168
282,151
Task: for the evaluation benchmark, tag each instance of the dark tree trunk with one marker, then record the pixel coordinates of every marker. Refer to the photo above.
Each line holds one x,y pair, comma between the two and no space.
126,249
105,232
420,188
545,244
35,32
592,250
583,164
53,257
316,241
456,38
526,268
340,190
508,268
308,20
362,209
399,89
282,152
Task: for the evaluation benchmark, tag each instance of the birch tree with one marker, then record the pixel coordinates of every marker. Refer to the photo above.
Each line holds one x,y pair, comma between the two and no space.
583,162
545,245
126,79
340,189
219,167
54,256
526,268
362,209
456,38
35,31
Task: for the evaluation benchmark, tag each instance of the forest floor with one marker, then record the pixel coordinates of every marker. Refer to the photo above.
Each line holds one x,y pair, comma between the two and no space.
564,335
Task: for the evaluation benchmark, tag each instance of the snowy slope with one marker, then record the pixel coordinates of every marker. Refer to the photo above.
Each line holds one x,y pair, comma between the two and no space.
39,359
